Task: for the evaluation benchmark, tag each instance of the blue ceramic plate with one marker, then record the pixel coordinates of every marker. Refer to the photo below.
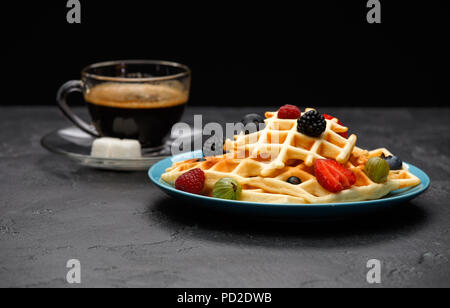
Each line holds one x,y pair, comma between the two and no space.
398,197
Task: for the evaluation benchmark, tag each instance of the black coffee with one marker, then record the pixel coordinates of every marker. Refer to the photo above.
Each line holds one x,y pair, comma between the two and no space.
135,111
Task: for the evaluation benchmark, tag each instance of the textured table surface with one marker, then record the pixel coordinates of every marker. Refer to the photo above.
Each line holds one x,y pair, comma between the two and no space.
127,233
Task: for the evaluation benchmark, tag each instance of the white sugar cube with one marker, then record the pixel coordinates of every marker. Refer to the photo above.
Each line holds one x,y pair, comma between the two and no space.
116,148
101,147
125,149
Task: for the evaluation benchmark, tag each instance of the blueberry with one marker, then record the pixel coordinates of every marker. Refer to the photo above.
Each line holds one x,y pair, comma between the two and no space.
394,162
294,180
252,118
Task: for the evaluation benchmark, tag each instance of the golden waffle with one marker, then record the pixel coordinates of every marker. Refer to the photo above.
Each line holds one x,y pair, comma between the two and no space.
263,161
276,189
280,144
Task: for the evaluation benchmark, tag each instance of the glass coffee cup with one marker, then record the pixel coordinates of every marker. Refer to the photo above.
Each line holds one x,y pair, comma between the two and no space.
132,99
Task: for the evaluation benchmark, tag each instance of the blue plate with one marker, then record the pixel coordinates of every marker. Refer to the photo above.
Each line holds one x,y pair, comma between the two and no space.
397,197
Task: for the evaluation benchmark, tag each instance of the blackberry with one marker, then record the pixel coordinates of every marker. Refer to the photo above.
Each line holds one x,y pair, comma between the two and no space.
312,124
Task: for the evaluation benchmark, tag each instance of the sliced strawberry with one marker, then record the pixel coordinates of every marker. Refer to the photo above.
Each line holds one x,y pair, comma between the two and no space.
326,179
329,117
333,176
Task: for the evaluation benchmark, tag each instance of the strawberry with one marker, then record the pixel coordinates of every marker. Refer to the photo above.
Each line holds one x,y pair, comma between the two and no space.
328,117
333,176
289,112
192,181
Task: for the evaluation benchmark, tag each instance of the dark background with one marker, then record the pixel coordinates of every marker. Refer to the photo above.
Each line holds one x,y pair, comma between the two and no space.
309,53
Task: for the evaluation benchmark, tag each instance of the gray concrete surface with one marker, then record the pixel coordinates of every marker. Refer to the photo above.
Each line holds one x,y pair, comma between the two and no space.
127,233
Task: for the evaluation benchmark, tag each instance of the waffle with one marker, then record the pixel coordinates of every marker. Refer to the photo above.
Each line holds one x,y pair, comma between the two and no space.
276,190
293,154
280,143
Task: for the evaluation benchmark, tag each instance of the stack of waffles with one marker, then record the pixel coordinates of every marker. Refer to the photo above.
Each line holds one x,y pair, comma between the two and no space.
262,162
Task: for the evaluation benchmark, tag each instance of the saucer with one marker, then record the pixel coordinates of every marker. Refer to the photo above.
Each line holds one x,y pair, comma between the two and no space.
76,145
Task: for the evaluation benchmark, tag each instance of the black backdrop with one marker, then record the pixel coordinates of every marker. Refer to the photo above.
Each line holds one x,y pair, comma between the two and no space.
310,53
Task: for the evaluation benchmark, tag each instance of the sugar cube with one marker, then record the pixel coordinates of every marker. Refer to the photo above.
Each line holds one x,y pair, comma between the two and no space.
116,148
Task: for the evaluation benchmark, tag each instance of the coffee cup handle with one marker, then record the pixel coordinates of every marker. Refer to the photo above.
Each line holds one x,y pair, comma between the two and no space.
61,98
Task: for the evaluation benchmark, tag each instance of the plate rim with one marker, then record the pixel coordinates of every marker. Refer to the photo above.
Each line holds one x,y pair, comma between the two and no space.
412,192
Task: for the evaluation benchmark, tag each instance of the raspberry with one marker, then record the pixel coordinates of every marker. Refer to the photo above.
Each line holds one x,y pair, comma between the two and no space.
192,181
328,117
333,176
312,124
289,112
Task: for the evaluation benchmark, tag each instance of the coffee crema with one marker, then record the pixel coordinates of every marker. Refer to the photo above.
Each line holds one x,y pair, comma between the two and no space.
138,96
145,112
